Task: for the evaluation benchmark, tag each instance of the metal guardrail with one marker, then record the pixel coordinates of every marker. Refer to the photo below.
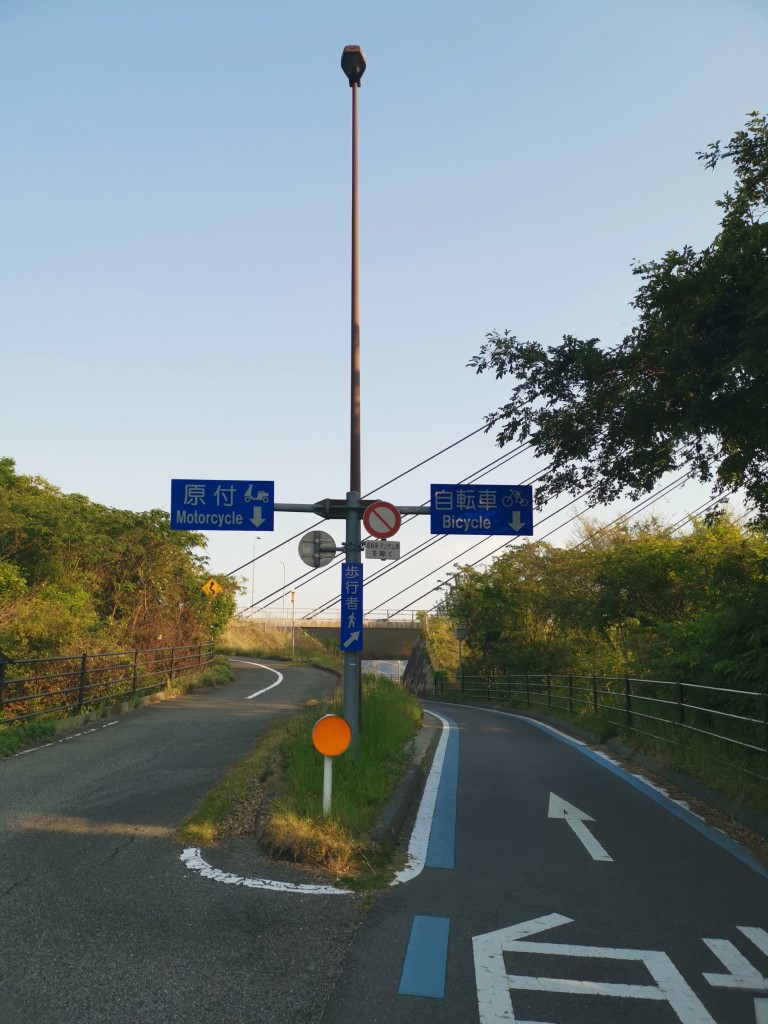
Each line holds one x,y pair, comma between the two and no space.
35,687
736,717
278,618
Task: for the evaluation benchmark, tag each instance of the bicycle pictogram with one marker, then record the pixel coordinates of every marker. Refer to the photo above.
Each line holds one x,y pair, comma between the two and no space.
514,498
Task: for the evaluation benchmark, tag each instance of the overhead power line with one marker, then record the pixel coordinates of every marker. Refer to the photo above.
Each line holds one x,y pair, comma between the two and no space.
295,536
273,596
420,549
635,510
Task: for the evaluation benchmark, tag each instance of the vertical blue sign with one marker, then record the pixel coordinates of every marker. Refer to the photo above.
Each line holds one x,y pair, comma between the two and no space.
352,606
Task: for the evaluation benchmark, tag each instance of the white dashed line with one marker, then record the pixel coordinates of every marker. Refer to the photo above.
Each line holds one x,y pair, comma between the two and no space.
65,739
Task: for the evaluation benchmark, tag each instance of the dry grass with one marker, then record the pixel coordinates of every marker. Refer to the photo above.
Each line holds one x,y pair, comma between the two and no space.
245,637
275,792
249,637
325,843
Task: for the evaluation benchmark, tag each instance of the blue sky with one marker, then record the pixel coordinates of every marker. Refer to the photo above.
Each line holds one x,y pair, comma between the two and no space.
174,274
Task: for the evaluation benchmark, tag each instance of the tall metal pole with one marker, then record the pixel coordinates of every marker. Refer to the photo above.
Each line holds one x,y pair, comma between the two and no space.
354,432
353,65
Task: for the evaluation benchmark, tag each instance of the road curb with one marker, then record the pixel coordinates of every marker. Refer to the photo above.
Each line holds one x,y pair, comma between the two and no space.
391,821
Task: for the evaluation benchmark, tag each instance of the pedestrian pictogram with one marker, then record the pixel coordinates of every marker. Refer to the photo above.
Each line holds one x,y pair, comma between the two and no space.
352,606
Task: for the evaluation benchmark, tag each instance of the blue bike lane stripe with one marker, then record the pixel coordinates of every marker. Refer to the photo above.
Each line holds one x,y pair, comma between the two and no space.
426,957
442,837
640,784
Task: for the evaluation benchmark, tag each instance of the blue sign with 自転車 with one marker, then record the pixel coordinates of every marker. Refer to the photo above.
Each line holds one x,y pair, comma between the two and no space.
482,509
351,606
222,505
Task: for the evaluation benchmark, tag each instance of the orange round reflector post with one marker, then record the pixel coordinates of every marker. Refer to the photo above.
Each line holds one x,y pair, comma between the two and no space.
331,735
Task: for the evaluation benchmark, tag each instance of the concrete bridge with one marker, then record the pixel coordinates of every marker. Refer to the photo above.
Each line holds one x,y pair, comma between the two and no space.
383,637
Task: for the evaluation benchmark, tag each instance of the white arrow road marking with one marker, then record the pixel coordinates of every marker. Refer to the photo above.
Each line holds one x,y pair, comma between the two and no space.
559,808
494,984
741,973
757,936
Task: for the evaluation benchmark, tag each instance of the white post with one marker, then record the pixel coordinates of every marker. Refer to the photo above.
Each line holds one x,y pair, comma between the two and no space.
293,624
327,784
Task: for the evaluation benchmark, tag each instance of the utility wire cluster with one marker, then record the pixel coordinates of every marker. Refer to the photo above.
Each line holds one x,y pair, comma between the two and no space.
301,580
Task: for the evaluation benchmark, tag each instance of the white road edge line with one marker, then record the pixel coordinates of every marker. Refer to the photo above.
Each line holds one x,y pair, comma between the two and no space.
417,847
257,664
44,746
684,805
191,857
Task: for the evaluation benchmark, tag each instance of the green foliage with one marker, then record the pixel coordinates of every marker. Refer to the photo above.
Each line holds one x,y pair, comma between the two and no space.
13,740
686,387
285,763
626,599
391,717
78,576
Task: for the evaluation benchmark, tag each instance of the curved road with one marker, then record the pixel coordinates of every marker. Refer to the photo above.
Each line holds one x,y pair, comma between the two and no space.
545,886
99,919
558,889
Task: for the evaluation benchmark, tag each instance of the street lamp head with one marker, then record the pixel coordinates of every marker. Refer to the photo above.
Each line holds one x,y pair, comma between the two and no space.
353,64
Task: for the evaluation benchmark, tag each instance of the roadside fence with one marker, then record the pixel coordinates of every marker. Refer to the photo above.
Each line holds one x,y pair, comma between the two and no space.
60,686
652,707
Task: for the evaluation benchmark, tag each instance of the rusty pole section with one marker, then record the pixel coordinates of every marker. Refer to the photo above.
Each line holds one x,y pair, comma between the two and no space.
353,66
354,434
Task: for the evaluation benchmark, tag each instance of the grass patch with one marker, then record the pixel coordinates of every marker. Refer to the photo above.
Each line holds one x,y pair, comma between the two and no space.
245,638
232,804
281,781
218,673
15,738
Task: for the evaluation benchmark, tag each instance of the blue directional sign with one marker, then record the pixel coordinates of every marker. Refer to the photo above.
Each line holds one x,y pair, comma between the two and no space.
222,505
352,606
482,509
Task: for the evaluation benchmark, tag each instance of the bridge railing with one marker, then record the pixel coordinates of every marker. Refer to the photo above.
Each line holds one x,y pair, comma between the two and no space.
34,687
278,618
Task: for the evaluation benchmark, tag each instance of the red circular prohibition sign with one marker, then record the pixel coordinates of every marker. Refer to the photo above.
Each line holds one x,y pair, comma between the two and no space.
381,519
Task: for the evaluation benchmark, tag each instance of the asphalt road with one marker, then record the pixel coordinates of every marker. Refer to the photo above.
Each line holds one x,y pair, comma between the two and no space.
641,915
545,886
99,919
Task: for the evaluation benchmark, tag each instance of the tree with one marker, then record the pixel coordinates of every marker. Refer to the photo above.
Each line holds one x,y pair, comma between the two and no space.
627,598
685,389
78,576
